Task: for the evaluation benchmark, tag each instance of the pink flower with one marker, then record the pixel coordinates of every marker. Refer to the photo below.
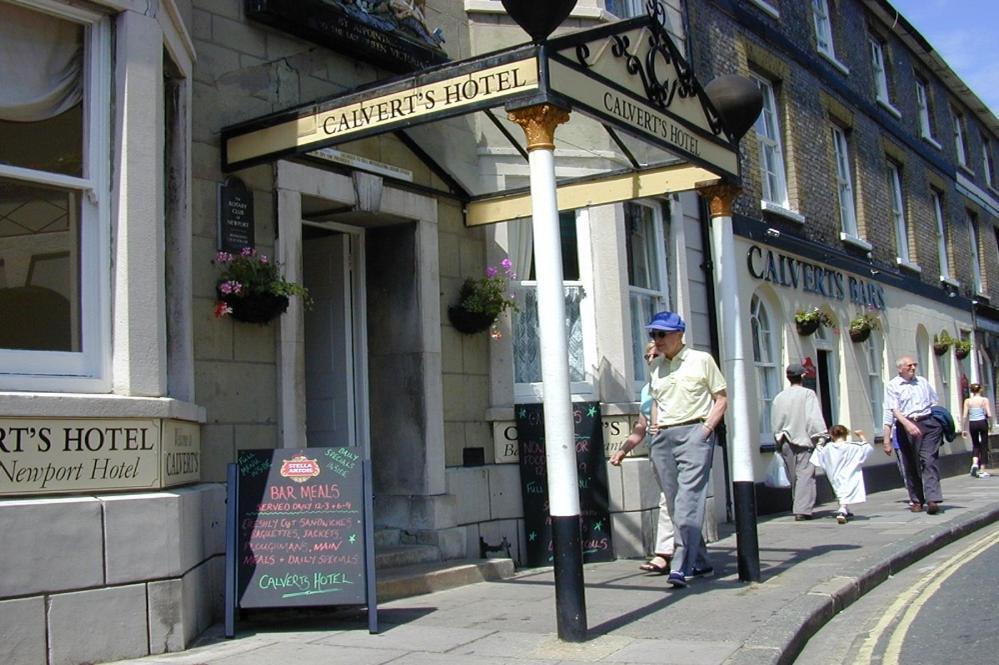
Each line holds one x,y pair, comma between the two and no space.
231,287
264,259
247,251
491,272
223,257
221,309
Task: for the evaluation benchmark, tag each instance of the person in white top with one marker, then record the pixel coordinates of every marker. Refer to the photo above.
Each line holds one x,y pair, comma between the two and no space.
843,460
977,417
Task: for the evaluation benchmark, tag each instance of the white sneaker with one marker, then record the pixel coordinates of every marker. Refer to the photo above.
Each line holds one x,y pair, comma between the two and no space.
984,474
841,517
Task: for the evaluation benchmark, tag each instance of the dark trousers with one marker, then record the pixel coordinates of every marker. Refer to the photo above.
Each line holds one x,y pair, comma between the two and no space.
920,457
978,430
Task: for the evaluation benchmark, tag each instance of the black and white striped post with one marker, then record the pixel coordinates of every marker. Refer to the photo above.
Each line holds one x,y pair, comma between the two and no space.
539,19
738,102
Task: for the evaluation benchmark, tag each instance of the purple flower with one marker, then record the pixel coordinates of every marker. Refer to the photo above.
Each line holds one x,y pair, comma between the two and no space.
264,259
231,287
491,272
247,251
223,257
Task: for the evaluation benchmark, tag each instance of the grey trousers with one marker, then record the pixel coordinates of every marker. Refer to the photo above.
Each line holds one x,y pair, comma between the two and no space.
801,473
681,457
922,473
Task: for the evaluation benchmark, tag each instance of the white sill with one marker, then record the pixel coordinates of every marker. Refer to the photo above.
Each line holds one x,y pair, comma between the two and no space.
950,281
981,294
780,210
834,62
76,405
967,169
932,141
767,7
888,106
902,263
855,241
496,7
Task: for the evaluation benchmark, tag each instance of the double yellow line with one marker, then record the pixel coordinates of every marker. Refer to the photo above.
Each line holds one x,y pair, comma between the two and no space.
906,607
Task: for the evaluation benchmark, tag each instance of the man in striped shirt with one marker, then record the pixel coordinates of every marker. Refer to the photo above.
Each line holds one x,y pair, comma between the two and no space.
908,400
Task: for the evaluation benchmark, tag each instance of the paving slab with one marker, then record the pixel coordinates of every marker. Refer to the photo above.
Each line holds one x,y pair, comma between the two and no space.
810,571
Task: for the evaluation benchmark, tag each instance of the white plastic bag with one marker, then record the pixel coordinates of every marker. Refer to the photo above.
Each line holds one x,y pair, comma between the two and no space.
776,473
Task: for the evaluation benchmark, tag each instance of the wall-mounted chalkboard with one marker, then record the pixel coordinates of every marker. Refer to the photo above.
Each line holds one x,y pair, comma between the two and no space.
592,470
298,534
235,223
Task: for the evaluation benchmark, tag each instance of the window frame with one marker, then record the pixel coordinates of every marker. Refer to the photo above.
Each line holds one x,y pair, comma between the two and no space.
960,140
897,212
766,372
844,183
875,378
822,22
988,162
774,143
89,369
662,295
977,274
938,212
924,106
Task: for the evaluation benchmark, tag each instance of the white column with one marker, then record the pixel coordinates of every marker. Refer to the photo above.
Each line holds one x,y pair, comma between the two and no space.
291,326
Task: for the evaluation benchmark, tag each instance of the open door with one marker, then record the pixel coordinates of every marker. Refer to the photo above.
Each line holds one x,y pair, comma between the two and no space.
329,341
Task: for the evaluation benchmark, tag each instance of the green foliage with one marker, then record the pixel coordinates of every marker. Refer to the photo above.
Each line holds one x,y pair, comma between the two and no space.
962,345
865,322
489,295
811,316
943,340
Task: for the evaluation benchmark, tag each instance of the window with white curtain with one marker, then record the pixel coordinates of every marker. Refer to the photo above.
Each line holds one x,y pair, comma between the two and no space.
646,245
844,183
925,110
768,134
578,321
898,212
960,145
976,263
54,208
823,28
880,70
875,384
941,234
766,360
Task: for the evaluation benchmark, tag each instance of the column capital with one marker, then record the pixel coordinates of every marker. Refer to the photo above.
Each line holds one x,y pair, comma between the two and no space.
720,198
539,123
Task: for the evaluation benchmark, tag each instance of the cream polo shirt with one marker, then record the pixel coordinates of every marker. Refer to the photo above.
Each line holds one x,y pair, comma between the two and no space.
683,386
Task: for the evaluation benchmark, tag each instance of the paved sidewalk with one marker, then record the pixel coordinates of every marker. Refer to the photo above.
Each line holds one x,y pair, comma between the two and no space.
810,570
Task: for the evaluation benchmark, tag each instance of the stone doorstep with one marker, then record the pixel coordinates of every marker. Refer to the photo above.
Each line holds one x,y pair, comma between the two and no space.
417,579
397,556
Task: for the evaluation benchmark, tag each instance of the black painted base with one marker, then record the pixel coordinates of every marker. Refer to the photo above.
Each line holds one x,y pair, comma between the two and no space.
747,542
570,601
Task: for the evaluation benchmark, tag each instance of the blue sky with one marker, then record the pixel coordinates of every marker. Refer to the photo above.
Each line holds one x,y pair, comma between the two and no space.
966,34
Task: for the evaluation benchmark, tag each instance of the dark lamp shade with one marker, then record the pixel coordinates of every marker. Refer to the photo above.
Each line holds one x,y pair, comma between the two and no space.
539,18
738,101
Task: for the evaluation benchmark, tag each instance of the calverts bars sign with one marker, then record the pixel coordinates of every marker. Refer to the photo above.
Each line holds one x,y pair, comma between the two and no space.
389,33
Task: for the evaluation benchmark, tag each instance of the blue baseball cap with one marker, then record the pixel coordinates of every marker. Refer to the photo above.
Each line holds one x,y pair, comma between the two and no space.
668,321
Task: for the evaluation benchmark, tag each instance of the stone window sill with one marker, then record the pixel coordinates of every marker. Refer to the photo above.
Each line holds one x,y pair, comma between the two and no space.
781,211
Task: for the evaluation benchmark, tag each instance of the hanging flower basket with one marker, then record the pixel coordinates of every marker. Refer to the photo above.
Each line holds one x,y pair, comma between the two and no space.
482,300
860,335
940,348
808,321
256,308
962,348
467,321
961,354
942,343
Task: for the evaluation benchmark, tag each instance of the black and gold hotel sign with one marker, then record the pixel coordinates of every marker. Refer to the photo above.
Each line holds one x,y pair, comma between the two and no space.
627,75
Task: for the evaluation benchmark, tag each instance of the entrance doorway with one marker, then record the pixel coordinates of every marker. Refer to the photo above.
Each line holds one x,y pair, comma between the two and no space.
334,374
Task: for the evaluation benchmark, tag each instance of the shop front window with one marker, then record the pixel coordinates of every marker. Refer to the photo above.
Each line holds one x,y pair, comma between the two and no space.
875,383
526,341
54,86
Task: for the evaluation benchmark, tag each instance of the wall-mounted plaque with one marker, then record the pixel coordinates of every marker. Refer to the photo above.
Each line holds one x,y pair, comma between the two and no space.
388,33
235,216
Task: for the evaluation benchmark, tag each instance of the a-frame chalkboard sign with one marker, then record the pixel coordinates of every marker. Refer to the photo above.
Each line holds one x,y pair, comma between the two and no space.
299,531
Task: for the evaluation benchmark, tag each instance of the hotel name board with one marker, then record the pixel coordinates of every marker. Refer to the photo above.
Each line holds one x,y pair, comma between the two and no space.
60,455
789,272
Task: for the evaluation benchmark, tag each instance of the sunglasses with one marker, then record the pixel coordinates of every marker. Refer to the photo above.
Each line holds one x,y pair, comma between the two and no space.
658,334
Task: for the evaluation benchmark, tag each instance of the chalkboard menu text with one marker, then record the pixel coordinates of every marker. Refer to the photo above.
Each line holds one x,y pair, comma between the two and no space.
591,469
235,216
299,534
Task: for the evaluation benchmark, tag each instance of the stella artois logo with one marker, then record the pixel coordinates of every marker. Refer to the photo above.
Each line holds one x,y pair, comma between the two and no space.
299,468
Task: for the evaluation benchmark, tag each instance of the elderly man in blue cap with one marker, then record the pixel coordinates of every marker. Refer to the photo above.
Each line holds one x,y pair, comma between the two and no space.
689,401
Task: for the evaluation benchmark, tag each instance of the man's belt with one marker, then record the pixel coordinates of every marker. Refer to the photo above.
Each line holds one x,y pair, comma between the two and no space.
695,421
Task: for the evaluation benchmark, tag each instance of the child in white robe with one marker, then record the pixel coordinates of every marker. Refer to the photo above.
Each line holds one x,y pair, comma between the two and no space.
842,460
